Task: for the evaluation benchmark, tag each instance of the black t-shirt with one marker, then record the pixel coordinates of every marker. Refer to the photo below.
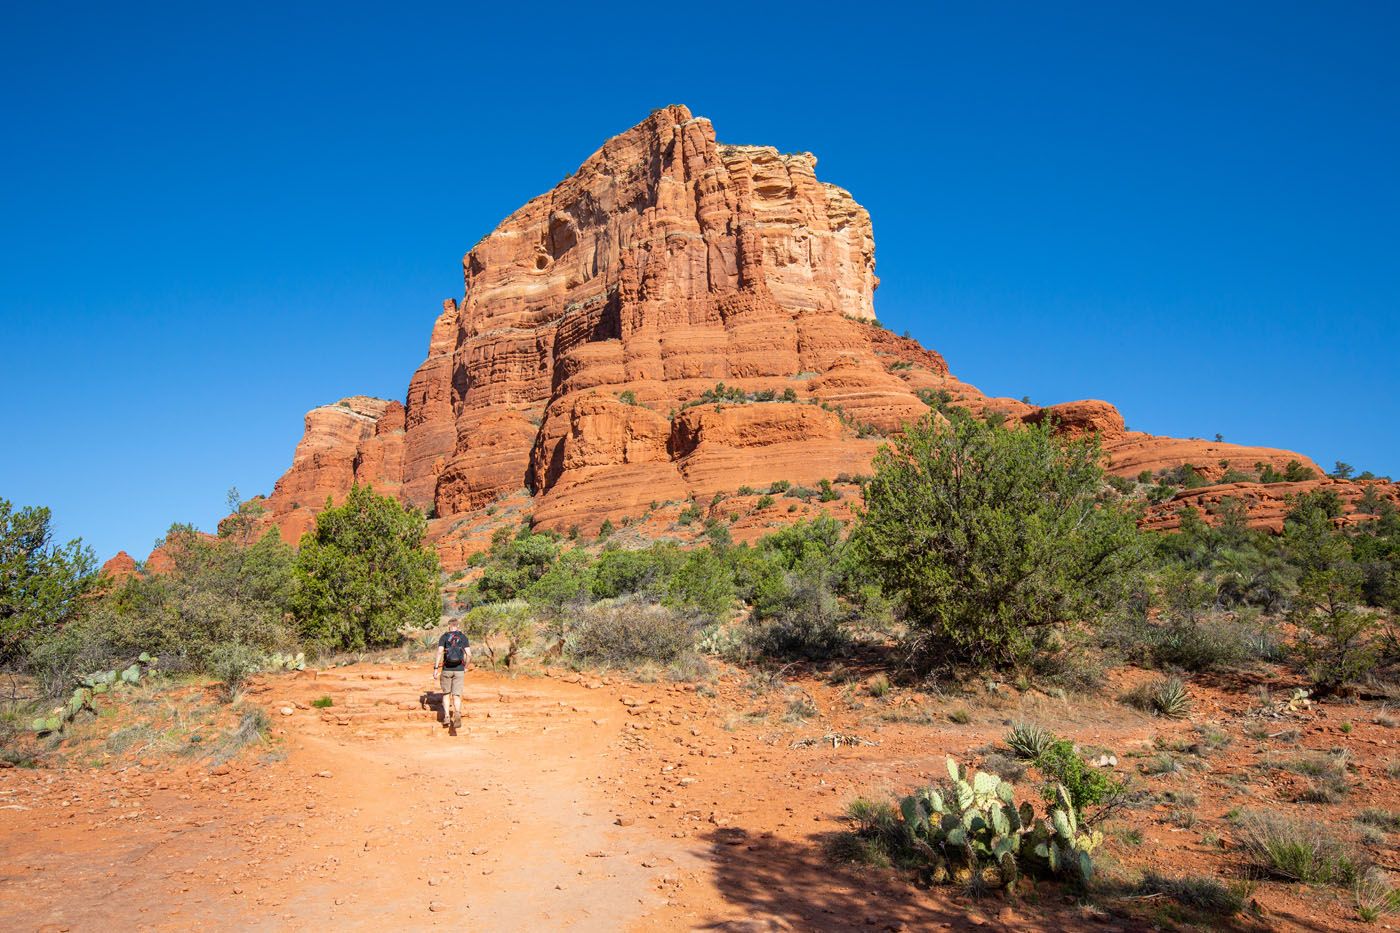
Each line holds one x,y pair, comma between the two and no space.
445,641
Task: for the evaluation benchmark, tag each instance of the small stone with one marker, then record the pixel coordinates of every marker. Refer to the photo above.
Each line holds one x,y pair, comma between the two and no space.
624,821
323,774
435,906
286,711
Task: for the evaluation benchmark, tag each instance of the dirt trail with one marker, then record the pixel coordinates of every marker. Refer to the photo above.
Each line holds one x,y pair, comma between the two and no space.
503,826
587,803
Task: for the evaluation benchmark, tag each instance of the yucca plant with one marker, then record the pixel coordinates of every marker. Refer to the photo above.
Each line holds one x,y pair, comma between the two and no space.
1171,699
1167,697
1029,741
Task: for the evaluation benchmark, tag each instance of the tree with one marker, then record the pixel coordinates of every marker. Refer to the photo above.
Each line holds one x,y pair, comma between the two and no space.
42,584
242,522
363,573
1341,470
994,538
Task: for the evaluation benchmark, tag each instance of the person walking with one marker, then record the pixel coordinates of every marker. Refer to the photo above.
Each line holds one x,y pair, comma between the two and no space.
454,654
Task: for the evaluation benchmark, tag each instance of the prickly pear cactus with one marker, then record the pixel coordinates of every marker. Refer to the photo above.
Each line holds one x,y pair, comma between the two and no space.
287,662
972,828
1061,844
93,685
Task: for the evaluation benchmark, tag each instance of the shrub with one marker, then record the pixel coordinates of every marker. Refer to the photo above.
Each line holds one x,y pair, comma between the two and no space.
619,572
627,397
765,501
629,631
233,663
1336,644
323,703
1388,820
796,634
1216,643
1087,786
217,591
704,583
1122,484
993,539
363,573
566,583
493,622
1283,847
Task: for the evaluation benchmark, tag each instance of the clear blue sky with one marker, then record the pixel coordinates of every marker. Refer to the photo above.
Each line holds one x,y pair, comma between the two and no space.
217,218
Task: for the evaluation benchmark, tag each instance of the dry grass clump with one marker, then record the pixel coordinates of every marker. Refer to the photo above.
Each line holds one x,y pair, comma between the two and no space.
1206,895
1282,847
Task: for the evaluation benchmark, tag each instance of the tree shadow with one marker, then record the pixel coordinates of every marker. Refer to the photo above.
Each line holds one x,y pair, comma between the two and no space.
782,886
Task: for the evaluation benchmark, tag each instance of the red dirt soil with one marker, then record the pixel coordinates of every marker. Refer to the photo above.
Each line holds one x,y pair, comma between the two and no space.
583,802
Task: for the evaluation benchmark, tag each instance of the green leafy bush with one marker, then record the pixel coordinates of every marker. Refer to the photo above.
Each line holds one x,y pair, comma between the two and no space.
363,573
993,539
620,572
217,591
1087,786
42,584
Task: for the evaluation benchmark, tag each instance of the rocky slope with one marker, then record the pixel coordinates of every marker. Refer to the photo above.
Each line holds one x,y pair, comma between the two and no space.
571,378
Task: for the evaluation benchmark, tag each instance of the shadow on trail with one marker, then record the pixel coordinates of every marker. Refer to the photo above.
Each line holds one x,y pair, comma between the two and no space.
781,886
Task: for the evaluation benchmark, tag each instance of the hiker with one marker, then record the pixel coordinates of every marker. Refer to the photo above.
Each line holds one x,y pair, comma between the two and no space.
454,653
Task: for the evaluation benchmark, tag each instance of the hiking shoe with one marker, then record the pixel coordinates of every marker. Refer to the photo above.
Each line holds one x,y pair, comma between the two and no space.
457,720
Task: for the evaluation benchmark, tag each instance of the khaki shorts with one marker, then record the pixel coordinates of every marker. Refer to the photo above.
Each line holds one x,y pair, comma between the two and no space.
452,682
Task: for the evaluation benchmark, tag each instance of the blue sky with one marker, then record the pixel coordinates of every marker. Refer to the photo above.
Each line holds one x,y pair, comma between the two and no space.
218,218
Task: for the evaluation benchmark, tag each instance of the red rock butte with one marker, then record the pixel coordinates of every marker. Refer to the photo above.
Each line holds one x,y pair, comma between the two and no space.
571,376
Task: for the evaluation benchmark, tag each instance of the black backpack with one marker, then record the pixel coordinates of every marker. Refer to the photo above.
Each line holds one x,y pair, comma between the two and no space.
454,653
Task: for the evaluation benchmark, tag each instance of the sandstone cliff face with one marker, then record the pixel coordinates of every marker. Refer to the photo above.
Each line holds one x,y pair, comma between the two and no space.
356,440
1131,452
120,566
1267,504
567,381
591,316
